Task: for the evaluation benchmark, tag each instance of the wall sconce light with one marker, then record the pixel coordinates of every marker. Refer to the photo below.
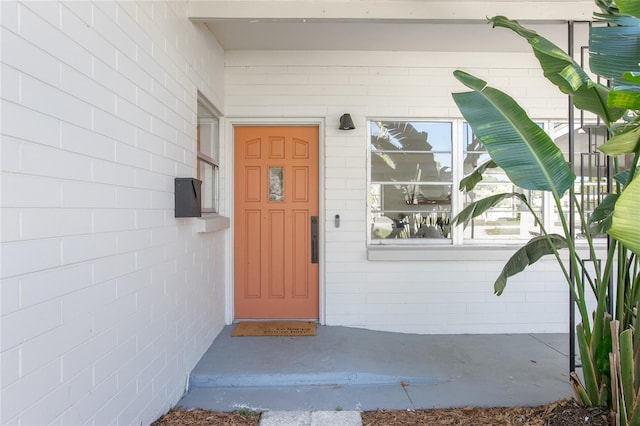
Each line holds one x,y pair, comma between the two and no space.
346,123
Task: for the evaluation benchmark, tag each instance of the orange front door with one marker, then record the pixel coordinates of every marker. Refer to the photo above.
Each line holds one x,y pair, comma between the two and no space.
276,210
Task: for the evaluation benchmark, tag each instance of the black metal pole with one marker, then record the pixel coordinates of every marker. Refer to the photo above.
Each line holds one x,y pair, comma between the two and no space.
572,336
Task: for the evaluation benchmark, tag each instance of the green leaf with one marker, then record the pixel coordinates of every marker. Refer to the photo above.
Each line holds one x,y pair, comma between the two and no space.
593,97
622,143
603,214
476,208
633,77
627,371
528,255
588,369
602,356
578,389
624,226
629,7
613,49
519,146
470,181
565,73
626,99
623,177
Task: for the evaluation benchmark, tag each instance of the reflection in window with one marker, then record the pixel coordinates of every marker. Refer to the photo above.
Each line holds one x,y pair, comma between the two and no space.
589,165
411,180
208,144
510,219
415,171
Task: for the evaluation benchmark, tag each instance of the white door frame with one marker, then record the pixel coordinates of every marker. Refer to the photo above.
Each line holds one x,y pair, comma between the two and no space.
228,124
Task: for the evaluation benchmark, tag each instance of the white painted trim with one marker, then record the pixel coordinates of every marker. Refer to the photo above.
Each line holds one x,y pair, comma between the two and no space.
457,200
229,124
465,253
227,142
439,253
390,11
211,222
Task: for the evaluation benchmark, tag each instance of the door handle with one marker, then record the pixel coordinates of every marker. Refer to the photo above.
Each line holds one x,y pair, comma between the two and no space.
314,239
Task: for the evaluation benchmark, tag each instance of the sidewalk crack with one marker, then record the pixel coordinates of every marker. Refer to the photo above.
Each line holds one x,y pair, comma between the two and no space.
404,388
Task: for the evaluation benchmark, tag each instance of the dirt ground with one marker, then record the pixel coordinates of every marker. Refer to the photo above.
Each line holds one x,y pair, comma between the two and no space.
560,413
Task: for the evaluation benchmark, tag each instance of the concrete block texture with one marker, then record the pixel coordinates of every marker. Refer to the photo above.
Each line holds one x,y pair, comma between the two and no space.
99,117
99,111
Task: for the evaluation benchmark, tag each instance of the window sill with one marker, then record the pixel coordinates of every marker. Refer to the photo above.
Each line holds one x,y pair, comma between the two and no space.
439,253
212,222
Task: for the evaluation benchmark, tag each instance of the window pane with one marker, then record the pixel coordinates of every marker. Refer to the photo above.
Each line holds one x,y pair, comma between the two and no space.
410,136
412,170
585,139
208,145
410,211
411,225
399,197
474,154
590,169
510,219
410,167
208,176
411,179
209,141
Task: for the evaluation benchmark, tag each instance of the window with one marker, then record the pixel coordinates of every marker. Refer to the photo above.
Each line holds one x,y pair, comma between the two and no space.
510,220
415,169
589,165
208,139
411,179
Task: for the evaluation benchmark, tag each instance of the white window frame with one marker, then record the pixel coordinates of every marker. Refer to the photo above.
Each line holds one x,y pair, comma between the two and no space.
208,115
457,199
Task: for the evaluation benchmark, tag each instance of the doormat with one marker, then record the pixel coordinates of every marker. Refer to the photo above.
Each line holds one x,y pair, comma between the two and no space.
275,328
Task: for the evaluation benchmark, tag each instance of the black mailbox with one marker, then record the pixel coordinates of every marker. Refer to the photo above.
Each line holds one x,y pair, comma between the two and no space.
188,197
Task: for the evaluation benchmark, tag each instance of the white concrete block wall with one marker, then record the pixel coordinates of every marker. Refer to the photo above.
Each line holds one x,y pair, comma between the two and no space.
453,295
107,300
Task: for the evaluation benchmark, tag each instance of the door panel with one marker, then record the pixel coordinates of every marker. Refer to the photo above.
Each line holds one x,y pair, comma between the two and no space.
276,195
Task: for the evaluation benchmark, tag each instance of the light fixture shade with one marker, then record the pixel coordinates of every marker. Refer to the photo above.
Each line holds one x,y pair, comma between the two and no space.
346,123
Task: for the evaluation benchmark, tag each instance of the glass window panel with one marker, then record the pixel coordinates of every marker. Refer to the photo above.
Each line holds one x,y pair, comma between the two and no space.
411,225
399,197
208,146
410,167
509,219
502,224
208,176
411,136
586,139
276,184
410,211
590,168
411,176
473,159
412,170
209,137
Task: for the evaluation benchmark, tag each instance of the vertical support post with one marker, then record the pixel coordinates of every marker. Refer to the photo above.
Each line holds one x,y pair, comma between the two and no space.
611,293
572,310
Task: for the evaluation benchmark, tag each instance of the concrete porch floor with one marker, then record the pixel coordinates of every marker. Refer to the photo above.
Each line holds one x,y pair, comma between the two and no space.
356,369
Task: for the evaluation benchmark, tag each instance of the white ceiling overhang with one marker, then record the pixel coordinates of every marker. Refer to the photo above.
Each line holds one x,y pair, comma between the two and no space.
389,25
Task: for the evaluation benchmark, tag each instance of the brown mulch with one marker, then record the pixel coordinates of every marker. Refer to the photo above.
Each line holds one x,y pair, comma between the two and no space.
180,417
560,413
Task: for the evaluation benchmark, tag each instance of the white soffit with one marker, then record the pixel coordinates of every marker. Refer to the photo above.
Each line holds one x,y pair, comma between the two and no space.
389,25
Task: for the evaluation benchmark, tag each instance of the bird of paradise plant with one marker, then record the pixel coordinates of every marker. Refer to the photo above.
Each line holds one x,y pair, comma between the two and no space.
608,342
